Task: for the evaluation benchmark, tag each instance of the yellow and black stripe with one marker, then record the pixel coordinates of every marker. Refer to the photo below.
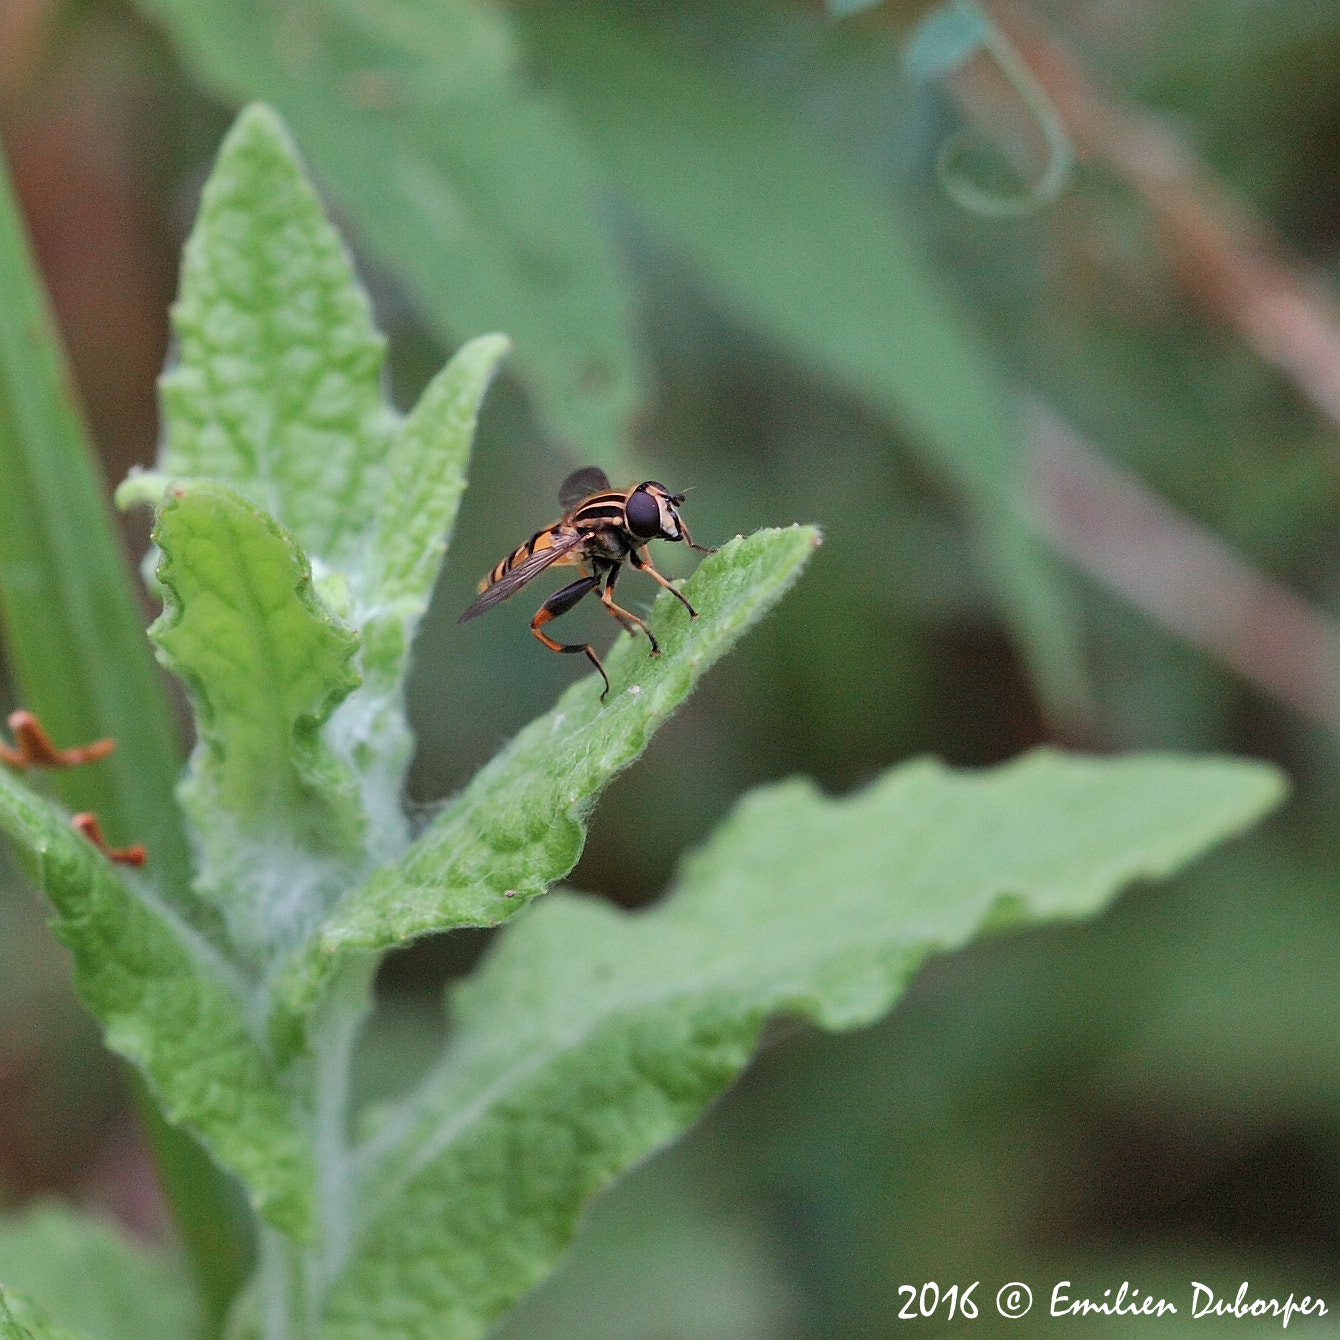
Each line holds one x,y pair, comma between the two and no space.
596,513
537,544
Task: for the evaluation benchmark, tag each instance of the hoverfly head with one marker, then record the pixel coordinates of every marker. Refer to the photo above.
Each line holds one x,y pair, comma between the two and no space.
650,513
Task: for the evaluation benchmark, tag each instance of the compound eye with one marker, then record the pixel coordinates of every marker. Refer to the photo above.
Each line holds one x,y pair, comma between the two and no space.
643,513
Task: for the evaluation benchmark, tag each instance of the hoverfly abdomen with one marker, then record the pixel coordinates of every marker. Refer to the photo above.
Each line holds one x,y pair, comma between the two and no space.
602,529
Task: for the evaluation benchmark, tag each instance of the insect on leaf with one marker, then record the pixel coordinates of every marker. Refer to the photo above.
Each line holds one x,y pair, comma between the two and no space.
521,822
822,264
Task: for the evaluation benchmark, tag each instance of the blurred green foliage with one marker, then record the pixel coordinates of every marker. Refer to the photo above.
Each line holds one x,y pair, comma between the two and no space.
1156,1095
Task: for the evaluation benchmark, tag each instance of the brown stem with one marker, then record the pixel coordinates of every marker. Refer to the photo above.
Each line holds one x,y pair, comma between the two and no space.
1224,254
1134,543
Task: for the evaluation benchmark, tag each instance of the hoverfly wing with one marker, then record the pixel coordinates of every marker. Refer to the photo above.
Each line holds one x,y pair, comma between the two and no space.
581,484
512,581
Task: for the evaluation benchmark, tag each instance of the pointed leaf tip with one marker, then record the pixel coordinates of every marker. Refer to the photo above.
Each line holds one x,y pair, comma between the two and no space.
589,1037
277,389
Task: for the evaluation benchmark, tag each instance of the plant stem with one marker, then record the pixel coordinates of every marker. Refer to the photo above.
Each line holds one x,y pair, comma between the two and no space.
80,660
281,1297
335,1032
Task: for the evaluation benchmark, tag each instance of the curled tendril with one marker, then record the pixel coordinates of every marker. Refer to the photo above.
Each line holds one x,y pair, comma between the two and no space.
942,43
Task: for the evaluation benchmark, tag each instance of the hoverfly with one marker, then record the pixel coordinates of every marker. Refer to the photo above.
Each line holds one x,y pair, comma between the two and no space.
601,530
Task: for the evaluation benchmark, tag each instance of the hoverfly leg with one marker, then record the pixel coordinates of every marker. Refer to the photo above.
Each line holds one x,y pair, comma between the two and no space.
564,599
642,562
627,618
560,603
688,539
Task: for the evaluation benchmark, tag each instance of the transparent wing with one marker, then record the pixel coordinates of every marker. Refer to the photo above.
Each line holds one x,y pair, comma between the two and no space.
581,484
511,582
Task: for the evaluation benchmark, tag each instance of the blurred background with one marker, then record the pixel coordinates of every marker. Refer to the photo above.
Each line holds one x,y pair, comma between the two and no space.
1033,308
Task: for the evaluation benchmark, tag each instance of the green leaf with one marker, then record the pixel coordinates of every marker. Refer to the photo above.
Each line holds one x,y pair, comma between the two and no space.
420,490
455,171
74,642
591,1037
20,1320
84,1273
277,390
275,811
424,481
831,270
169,1003
672,1250
278,393
74,638
293,787
521,822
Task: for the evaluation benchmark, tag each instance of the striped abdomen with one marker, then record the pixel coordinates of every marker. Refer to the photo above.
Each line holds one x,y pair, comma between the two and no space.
540,541
599,512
